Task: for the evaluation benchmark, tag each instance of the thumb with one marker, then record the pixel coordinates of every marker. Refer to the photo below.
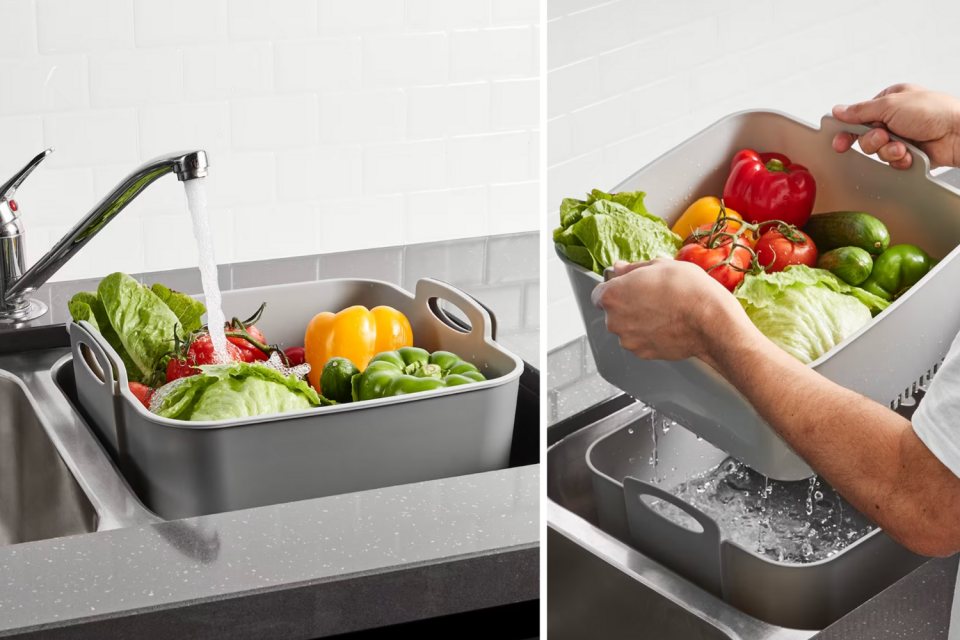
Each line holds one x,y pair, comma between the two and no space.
876,110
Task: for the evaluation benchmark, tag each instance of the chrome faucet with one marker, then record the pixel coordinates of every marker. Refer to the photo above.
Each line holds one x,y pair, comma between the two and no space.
17,282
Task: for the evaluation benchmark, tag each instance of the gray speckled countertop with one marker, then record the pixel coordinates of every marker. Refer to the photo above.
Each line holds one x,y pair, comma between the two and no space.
99,577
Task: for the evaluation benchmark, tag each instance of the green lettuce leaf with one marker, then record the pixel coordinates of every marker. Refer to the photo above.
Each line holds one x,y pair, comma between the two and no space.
597,232
237,390
87,306
187,310
804,311
144,324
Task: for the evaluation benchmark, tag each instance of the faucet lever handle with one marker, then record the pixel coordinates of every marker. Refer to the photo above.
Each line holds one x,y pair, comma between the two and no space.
10,186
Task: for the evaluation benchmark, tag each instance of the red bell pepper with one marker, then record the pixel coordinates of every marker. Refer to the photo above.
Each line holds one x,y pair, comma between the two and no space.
767,186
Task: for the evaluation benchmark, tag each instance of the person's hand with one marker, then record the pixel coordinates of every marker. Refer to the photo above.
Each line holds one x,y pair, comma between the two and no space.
928,119
669,310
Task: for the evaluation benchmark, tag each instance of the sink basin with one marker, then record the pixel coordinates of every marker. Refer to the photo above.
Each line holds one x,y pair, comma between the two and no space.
56,479
39,497
597,586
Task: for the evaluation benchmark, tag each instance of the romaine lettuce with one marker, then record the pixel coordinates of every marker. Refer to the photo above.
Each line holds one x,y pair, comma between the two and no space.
144,323
804,311
605,228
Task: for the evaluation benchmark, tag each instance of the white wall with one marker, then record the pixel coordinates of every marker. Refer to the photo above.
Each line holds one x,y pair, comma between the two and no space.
331,125
630,79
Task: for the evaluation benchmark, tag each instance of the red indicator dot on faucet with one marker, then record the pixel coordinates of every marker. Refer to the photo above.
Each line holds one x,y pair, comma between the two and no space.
13,205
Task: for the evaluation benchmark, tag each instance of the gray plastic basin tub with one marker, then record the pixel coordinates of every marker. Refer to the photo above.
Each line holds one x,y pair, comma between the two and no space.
798,596
887,360
182,469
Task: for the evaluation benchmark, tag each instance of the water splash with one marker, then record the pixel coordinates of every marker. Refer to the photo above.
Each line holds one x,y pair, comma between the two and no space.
197,203
790,522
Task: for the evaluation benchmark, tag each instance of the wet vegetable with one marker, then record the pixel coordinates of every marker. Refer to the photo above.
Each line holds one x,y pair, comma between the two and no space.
355,333
412,370
768,186
896,270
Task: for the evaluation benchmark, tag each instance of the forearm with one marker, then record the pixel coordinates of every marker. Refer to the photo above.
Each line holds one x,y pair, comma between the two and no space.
870,454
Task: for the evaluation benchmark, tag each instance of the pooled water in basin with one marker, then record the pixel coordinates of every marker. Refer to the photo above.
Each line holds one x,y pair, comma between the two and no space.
797,522
197,203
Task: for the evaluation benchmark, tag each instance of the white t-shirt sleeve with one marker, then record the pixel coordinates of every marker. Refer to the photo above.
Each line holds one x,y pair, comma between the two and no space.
937,419
937,423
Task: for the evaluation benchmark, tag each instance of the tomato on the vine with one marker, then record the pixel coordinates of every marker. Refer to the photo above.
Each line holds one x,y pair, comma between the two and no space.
777,250
726,262
249,353
201,352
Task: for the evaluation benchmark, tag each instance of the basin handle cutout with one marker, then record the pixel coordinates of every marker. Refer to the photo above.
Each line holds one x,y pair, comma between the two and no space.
693,554
671,512
458,311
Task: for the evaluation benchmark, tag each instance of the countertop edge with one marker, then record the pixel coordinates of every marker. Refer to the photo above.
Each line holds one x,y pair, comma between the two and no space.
326,606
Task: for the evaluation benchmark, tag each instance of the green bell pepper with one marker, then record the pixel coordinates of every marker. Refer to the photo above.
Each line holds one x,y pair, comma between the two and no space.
896,270
412,370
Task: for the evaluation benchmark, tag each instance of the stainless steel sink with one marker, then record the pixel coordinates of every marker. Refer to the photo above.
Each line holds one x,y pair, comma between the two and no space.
599,587
55,477
39,497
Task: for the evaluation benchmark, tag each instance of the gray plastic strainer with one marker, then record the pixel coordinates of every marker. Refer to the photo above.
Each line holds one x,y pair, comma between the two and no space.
183,469
885,361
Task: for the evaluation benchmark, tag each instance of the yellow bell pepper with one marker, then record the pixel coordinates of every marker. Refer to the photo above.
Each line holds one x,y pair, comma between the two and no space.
705,211
357,334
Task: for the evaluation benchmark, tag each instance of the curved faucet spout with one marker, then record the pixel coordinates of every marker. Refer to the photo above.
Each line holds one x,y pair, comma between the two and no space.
14,300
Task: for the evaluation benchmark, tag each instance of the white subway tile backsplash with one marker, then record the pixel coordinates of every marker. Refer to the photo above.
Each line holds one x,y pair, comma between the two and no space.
325,172
484,159
360,223
369,116
242,179
273,20
406,166
56,197
453,109
19,20
142,77
577,176
227,71
446,214
50,83
492,54
91,138
439,15
185,126
397,61
68,26
515,11
179,250
266,123
117,247
170,23
515,104
514,207
408,113
275,231
330,64
558,140
22,139
584,75
345,16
